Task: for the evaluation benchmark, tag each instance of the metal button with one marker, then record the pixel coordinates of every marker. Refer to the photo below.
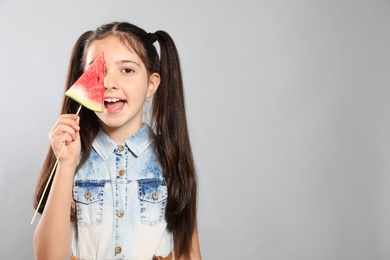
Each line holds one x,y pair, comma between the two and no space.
87,195
118,249
120,214
121,148
121,172
155,196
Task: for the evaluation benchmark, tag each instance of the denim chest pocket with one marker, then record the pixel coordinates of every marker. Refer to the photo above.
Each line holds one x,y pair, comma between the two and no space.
152,194
89,202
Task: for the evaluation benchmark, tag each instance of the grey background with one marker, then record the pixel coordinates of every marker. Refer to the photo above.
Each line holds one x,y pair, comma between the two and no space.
288,107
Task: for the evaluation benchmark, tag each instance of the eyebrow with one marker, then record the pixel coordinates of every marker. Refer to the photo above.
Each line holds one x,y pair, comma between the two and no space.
128,61
89,63
121,61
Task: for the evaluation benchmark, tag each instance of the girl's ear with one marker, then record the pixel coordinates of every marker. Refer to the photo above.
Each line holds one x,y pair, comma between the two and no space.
154,82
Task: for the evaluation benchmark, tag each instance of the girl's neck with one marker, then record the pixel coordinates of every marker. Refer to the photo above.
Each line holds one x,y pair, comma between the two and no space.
120,134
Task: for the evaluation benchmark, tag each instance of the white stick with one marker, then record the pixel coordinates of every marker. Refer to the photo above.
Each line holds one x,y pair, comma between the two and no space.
51,175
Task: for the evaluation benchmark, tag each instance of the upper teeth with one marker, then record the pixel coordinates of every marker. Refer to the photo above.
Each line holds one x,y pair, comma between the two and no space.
111,99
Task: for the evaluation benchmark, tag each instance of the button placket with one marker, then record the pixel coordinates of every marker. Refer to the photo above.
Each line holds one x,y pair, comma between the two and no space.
120,198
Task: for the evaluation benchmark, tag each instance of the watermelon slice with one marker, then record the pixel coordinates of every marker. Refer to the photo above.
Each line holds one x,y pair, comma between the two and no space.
88,90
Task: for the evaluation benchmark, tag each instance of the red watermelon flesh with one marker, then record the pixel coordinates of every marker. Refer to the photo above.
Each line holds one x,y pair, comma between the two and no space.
88,90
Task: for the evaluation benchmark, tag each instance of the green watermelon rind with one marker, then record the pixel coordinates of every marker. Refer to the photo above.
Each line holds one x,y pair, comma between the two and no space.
77,94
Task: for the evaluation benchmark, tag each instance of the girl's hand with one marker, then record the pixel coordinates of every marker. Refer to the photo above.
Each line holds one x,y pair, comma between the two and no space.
66,131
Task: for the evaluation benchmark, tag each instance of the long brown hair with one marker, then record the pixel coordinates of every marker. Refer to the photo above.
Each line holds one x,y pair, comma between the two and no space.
168,124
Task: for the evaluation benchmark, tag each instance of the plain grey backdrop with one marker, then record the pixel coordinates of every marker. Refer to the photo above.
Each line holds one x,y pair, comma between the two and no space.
288,107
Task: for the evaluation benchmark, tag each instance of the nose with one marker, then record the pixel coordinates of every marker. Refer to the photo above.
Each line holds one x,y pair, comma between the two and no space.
109,82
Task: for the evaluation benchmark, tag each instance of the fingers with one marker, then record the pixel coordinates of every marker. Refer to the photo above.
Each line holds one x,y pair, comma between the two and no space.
66,129
62,131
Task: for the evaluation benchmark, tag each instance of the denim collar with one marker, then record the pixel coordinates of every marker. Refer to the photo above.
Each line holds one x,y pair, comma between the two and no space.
137,143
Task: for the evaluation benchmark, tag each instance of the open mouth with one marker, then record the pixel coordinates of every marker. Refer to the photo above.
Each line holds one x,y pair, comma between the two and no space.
113,104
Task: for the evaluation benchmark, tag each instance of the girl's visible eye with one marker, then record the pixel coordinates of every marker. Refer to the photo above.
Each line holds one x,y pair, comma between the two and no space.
127,70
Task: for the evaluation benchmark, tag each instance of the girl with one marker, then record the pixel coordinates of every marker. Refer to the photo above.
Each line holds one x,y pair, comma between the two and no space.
123,188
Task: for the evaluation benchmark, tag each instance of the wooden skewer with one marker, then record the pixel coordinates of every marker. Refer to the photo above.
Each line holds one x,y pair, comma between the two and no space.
51,175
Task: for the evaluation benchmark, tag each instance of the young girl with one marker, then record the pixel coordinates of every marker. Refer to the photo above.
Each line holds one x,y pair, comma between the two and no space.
123,188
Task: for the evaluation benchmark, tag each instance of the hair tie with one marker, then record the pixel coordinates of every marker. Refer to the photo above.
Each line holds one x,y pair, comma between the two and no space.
152,37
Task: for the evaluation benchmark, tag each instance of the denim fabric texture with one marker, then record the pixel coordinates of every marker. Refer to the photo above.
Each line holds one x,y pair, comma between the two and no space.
120,195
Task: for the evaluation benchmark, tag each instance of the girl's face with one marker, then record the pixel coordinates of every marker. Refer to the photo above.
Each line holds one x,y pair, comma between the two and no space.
127,84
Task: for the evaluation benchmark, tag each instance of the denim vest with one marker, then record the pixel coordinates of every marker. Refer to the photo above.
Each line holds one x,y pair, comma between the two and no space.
120,195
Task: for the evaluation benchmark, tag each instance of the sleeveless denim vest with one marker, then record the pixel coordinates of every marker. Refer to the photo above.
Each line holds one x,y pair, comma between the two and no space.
120,195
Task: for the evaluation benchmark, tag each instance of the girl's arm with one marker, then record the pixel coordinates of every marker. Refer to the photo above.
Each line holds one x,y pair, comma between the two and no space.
53,234
195,253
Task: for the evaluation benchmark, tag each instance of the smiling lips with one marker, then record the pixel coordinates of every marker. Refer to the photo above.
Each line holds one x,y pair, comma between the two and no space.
113,105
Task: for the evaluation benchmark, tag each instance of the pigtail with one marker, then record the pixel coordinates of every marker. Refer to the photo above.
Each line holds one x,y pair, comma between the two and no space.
75,70
173,147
